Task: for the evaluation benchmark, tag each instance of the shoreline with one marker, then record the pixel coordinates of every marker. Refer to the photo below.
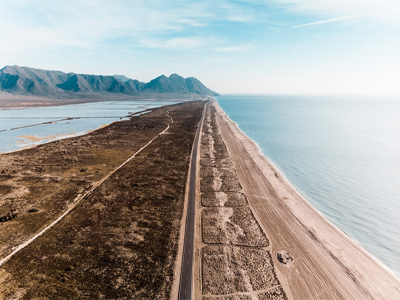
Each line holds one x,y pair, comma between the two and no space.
129,224
35,102
36,141
375,277
295,189
49,139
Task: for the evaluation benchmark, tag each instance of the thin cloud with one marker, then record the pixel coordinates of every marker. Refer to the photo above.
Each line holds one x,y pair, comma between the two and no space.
90,25
341,19
240,18
236,49
189,43
327,21
332,8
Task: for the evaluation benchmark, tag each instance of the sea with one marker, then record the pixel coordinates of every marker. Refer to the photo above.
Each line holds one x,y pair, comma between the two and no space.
341,153
27,127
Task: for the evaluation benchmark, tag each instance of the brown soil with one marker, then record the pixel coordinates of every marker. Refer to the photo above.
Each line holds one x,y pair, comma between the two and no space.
276,293
230,297
223,199
229,270
119,242
236,226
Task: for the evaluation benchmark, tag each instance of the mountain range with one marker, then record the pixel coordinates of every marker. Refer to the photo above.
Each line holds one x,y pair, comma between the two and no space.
27,81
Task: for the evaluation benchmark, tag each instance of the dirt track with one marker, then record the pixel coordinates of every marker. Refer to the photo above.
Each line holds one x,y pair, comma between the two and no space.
121,240
79,198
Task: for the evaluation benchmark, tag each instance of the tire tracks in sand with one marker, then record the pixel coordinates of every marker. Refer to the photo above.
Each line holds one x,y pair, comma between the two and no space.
318,271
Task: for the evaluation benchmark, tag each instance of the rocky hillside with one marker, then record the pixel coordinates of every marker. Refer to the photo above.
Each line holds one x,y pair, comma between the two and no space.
26,81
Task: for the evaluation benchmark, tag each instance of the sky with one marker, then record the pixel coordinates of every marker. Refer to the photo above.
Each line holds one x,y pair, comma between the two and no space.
307,47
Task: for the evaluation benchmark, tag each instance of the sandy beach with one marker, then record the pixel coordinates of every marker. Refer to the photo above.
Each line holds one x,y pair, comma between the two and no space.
326,264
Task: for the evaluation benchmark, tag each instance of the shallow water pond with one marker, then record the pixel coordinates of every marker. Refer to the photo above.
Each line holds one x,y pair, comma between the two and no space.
27,127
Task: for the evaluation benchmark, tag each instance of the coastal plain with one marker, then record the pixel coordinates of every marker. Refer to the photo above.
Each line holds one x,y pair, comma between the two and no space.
120,236
100,216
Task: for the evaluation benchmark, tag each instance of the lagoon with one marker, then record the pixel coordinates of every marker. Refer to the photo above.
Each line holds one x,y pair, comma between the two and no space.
27,127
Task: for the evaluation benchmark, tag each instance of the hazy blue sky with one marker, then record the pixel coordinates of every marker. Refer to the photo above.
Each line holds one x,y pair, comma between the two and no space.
256,46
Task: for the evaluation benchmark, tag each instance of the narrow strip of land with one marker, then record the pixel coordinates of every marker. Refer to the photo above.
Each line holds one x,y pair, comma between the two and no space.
186,279
234,260
56,120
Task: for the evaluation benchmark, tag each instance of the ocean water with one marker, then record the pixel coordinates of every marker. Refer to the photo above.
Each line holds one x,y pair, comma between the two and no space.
341,153
27,127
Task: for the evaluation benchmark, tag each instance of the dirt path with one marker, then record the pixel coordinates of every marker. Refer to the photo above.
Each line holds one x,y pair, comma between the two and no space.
79,198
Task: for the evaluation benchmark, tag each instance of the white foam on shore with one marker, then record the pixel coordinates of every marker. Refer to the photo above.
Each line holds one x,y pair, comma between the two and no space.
284,178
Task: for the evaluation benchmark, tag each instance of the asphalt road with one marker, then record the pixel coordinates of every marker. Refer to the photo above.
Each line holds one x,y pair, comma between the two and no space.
186,280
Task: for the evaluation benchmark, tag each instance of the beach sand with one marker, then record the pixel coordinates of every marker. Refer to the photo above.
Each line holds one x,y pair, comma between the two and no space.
327,264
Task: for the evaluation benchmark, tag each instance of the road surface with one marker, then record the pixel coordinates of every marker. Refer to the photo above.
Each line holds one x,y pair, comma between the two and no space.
186,280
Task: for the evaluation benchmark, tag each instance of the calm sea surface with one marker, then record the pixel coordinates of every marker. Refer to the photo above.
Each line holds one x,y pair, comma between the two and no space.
341,154
62,121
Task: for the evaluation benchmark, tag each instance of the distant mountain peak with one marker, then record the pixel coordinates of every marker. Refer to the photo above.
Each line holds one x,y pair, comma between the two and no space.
43,83
122,78
177,84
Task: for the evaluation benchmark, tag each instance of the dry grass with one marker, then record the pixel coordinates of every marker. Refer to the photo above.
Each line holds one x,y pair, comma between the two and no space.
230,297
276,293
228,270
232,225
236,265
223,199
120,242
